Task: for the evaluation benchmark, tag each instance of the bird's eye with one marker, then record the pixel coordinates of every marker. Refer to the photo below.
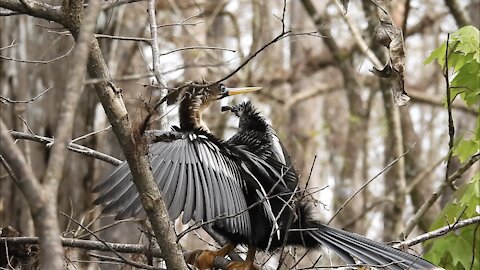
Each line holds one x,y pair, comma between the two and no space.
223,89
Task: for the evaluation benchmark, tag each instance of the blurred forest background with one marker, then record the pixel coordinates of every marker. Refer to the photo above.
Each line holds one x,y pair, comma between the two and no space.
335,117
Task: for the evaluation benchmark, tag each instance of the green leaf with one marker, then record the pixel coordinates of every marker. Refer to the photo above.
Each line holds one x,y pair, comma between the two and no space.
455,250
471,198
439,54
439,248
459,251
476,181
468,38
468,78
456,61
465,149
476,57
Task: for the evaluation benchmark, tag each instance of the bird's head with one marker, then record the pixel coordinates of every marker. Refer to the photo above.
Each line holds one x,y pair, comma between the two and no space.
198,96
204,96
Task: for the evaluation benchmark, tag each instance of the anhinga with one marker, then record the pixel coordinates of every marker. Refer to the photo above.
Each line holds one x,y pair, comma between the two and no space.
244,188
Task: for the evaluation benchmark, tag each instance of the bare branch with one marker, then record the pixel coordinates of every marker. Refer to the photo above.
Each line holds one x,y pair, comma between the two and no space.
436,100
133,146
198,48
6,100
71,146
38,61
451,127
439,232
90,245
423,175
90,134
12,44
129,262
368,182
37,9
437,193
44,217
152,19
8,169
145,40
122,258
357,35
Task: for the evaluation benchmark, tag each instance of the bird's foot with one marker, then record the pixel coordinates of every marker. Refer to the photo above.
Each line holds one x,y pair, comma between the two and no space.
204,259
246,265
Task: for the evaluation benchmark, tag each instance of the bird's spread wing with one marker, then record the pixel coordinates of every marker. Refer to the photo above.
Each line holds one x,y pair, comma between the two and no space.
197,176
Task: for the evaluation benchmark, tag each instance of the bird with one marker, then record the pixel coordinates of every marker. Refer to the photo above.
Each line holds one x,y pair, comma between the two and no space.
299,226
245,188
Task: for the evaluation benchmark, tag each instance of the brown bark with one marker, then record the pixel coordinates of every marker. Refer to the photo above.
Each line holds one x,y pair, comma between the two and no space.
43,212
133,146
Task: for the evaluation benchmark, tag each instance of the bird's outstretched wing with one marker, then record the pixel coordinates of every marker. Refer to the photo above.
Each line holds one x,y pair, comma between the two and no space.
197,175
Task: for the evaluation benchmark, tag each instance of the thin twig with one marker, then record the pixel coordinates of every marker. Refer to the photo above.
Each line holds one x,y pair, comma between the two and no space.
90,134
140,39
437,193
197,48
368,182
71,146
37,61
12,44
125,260
8,169
451,127
90,245
474,245
131,263
6,100
27,125
439,232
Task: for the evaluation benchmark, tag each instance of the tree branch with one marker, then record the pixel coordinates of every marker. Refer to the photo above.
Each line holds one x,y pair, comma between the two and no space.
439,232
134,147
71,146
50,255
36,9
6,100
89,244
459,14
436,100
156,60
433,198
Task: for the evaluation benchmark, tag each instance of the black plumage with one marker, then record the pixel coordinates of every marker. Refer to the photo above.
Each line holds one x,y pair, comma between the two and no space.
198,174
244,188
298,225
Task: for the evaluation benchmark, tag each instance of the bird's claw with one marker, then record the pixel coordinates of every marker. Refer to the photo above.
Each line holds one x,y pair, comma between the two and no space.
246,265
205,259
202,259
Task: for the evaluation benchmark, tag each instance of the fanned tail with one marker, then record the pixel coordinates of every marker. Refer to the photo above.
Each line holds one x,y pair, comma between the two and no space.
348,245
312,233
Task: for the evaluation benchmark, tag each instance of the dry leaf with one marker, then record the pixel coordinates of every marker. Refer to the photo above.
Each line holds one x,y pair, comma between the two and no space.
391,37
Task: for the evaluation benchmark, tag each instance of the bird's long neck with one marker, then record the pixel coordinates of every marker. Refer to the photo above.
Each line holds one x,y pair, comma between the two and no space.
191,114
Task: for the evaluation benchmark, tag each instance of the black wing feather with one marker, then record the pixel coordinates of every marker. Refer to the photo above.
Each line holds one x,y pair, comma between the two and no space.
190,196
196,174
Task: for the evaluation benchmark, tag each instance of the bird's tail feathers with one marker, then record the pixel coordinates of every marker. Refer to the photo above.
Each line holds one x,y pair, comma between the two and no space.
312,233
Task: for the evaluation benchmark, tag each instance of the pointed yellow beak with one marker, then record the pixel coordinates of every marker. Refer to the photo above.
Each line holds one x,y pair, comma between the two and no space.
241,90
